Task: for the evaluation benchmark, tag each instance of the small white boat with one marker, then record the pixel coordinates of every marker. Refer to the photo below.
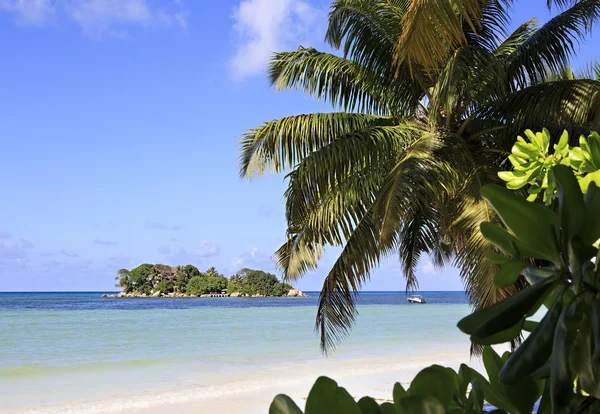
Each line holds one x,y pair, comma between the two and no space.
416,299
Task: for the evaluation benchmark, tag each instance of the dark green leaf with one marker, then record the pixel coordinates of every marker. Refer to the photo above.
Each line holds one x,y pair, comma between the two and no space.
435,381
387,408
529,326
505,314
494,257
531,223
535,350
570,201
561,379
282,404
420,404
326,397
501,337
509,273
368,405
398,393
505,241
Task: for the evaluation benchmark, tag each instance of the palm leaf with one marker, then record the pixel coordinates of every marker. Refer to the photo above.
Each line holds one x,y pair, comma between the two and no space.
281,144
553,44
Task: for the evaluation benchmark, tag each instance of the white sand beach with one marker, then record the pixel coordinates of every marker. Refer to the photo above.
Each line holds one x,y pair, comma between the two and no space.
252,392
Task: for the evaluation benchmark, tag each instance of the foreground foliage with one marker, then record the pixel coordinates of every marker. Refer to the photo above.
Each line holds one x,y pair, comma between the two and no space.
398,171
532,161
555,249
148,278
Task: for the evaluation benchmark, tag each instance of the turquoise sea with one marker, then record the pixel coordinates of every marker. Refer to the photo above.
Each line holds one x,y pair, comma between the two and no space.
73,348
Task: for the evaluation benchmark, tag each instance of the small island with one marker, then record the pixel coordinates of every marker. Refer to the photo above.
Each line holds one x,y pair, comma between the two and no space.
159,280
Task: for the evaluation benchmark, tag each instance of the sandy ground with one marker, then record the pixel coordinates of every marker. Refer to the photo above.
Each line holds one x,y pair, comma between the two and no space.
253,392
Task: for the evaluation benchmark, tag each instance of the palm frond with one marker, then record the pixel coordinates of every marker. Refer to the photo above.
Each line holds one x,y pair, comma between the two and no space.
516,39
366,30
281,144
553,44
572,104
337,309
433,29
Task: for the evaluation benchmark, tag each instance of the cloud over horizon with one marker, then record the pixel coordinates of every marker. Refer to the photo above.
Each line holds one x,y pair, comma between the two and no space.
429,268
267,26
99,18
157,225
68,253
255,259
105,242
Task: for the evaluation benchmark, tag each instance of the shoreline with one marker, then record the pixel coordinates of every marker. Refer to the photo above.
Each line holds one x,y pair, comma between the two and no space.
252,391
297,294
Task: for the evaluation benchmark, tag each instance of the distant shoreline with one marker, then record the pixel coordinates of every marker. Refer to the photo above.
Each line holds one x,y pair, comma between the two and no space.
293,293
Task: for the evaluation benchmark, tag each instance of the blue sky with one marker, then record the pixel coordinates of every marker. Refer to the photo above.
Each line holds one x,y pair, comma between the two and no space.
119,121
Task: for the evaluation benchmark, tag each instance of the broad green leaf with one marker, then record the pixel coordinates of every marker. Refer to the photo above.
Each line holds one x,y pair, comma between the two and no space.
536,348
494,257
368,405
594,147
505,314
476,398
561,379
398,393
387,408
545,406
435,381
519,398
505,241
538,274
570,201
532,224
421,404
595,321
509,273
529,326
493,395
563,142
500,337
593,177
282,404
592,203
326,397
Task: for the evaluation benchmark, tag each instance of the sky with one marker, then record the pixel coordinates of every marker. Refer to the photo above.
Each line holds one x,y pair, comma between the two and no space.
119,123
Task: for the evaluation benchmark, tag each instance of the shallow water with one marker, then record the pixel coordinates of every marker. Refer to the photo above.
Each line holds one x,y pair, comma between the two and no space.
60,347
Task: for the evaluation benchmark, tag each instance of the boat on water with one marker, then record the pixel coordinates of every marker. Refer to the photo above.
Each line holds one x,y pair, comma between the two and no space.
416,299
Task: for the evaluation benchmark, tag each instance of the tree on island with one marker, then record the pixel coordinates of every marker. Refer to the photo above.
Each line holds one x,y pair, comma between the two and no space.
257,282
148,279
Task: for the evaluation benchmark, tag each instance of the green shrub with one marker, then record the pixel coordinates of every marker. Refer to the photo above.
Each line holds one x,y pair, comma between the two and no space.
532,163
164,286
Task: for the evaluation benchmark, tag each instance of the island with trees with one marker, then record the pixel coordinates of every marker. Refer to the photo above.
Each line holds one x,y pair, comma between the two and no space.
159,280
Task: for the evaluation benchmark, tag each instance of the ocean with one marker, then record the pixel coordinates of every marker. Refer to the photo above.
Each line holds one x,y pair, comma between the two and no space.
78,352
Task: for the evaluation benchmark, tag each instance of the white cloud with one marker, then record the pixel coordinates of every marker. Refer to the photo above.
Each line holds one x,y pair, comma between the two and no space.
429,268
267,26
29,11
99,18
158,225
105,242
256,259
206,249
68,253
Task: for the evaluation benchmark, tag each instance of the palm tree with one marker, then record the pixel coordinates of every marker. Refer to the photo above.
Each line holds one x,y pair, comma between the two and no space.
398,170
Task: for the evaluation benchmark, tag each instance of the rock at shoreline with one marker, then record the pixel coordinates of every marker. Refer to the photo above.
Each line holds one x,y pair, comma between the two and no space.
156,294
295,293
235,295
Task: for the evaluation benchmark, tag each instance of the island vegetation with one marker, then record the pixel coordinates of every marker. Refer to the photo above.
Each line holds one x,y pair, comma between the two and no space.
175,281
